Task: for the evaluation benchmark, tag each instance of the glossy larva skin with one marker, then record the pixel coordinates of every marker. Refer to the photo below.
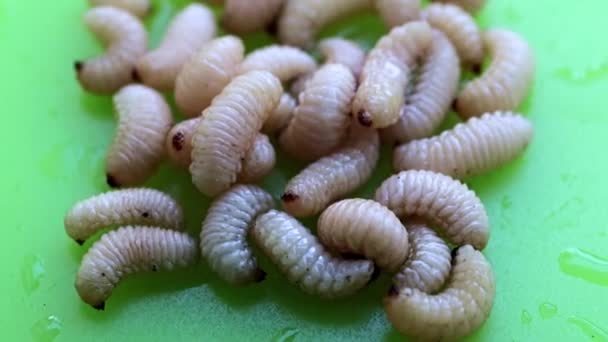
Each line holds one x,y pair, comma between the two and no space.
229,128
144,119
206,73
126,40
259,160
146,207
280,116
334,176
304,261
139,8
321,120
472,148
130,250
187,33
505,84
224,233
342,51
285,62
471,6
445,203
398,12
433,92
247,16
367,228
387,72
458,310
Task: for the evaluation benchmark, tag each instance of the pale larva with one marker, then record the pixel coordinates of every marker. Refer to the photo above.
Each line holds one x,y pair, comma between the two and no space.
130,250
224,233
144,119
343,51
140,8
259,160
285,62
304,261
367,228
471,6
387,72
299,84
505,84
444,202
126,40
460,27
187,33
458,310
229,128
122,207
334,176
471,148
320,122
206,73
246,16
280,116
398,12
431,94
301,20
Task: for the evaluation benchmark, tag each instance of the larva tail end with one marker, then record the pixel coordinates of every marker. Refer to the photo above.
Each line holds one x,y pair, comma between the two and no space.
259,276
364,118
177,141
78,65
112,182
289,197
135,75
101,306
393,291
80,242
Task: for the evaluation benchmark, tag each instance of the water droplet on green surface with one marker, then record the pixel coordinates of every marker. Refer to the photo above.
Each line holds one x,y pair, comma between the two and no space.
584,265
32,271
506,202
594,332
288,334
547,310
526,317
46,329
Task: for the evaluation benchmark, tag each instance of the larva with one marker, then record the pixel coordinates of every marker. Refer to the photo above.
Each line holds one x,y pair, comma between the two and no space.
398,12
334,176
229,128
460,27
130,250
144,119
458,310
224,233
320,122
147,207
246,16
126,40
304,261
442,201
301,20
505,84
187,33
285,62
206,73
431,94
471,148
342,51
367,228
280,116
471,6
387,72
140,8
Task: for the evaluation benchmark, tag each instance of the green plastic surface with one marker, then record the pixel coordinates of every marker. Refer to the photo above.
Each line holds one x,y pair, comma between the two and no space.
548,209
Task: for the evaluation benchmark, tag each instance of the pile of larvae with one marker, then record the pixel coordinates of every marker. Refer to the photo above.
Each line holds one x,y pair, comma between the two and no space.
423,224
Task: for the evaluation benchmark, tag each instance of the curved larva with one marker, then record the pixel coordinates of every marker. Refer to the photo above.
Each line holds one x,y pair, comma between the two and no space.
343,51
187,33
126,40
140,8
144,119
471,148
364,227
462,307
285,62
387,72
299,84
301,20
147,207
246,16
259,160
305,261
280,116
433,92
206,73
398,12
334,176
442,201
505,84
471,6
460,27
229,128
320,122
224,233
130,250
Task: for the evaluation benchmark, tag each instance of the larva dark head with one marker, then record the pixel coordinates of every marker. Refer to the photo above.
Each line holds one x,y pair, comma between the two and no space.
178,141
112,182
78,65
476,69
455,105
289,196
101,306
273,27
393,291
80,242
259,276
364,118
135,75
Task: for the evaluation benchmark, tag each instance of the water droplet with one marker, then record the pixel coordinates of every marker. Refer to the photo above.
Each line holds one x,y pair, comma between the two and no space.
584,265
46,329
526,317
547,310
506,202
288,334
32,271
593,331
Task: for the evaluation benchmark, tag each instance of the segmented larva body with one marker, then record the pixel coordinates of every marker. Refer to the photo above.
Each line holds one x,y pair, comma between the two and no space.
130,250
224,233
285,62
246,16
320,122
280,116
144,119
140,8
387,72
126,40
259,160
147,207
398,12
442,201
471,148
187,33
364,227
343,51
471,6
432,93
301,20
206,73
334,176
304,261
229,128
505,84
462,307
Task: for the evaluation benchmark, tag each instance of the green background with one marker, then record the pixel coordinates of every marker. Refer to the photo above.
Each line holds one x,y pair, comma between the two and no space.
548,209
